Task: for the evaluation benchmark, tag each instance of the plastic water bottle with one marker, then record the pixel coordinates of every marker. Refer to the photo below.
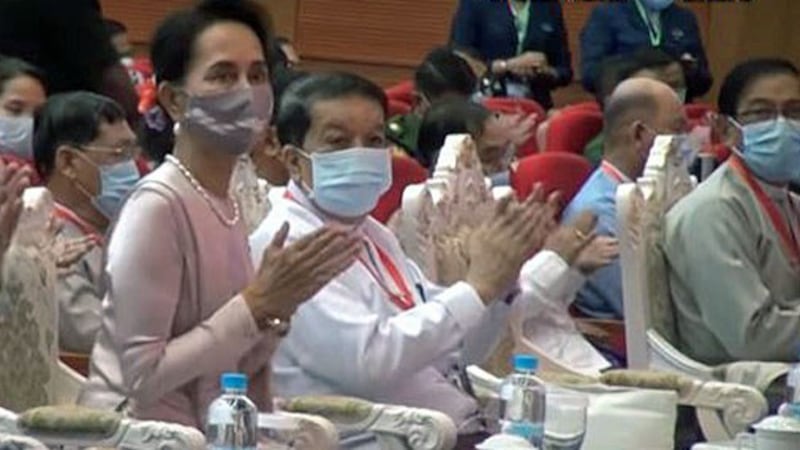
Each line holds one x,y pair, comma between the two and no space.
524,398
232,417
793,392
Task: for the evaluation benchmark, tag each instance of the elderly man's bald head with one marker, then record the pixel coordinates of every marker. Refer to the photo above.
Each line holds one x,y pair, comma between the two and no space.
638,110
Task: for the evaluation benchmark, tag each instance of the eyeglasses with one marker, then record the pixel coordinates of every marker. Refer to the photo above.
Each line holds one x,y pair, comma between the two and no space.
123,152
765,114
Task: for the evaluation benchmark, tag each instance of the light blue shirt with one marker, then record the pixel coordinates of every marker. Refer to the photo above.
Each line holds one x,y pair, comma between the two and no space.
601,296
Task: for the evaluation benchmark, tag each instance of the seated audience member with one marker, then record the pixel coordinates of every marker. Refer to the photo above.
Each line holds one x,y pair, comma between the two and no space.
731,244
380,330
85,151
442,74
183,303
637,111
646,63
622,28
22,93
495,149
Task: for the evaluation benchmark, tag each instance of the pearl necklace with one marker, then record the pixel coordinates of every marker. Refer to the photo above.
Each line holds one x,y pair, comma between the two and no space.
203,193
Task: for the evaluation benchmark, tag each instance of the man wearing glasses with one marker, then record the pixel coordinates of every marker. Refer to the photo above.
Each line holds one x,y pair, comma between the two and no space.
732,245
85,150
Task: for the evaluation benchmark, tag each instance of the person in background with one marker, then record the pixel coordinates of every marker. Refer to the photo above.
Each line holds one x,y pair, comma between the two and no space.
381,330
68,41
84,149
731,244
638,110
494,145
22,93
183,303
118,33
524,42
648,62
622,28
442,74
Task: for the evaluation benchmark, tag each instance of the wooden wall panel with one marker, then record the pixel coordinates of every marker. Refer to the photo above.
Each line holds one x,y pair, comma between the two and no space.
141,16
392,32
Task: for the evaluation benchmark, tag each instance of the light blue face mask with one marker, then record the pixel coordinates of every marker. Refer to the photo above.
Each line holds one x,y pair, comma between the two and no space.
116,181
772,149
348,183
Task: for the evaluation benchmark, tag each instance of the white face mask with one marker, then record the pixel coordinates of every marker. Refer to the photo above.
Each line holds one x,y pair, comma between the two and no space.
16,136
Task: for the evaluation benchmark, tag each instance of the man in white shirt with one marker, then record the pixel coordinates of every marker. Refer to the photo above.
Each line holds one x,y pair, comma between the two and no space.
380,330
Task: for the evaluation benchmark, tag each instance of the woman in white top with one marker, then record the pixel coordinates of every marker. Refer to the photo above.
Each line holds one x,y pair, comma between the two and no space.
183,304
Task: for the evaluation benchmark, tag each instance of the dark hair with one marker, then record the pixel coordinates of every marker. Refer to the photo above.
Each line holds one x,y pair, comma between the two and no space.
744,75
172,50
450,116
11,68
443,72
282,78
650,58
294,112
70,118
114,27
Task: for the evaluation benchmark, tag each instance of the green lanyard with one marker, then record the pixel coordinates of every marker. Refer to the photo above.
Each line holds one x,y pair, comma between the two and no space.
521,19
653,24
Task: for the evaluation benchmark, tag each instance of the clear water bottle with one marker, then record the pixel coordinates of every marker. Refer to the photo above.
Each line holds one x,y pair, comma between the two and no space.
232,417
793,392
524,397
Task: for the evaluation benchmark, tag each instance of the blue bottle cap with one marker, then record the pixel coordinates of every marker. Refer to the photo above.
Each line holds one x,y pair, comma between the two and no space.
235,381
523,362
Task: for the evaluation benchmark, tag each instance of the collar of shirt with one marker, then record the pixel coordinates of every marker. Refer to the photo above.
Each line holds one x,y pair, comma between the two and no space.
614,173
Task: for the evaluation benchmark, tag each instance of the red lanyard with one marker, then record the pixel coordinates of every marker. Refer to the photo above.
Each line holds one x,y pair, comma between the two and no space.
63,213
612,172
403,300
779,222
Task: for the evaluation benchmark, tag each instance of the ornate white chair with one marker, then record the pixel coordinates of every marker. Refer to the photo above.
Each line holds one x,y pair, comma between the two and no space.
395,427
722,408
38,392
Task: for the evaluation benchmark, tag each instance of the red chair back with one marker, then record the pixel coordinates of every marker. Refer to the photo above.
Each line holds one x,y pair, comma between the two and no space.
402,92
697,111
398,108
405,171
509,105
572,129
584,106
514,105
563,172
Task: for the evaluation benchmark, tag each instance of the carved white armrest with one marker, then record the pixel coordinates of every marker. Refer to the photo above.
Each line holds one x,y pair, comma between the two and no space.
397,427
304,431
666,357
17,442
738,405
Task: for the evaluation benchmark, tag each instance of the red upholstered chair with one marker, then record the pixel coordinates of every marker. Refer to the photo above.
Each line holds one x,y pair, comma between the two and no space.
405,171
402,92
572,129
584,106
697,111
563,172
398,108
510,105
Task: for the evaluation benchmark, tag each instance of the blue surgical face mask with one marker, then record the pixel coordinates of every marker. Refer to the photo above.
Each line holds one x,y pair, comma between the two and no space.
116,181
16,136
772,149
656,5
348,183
